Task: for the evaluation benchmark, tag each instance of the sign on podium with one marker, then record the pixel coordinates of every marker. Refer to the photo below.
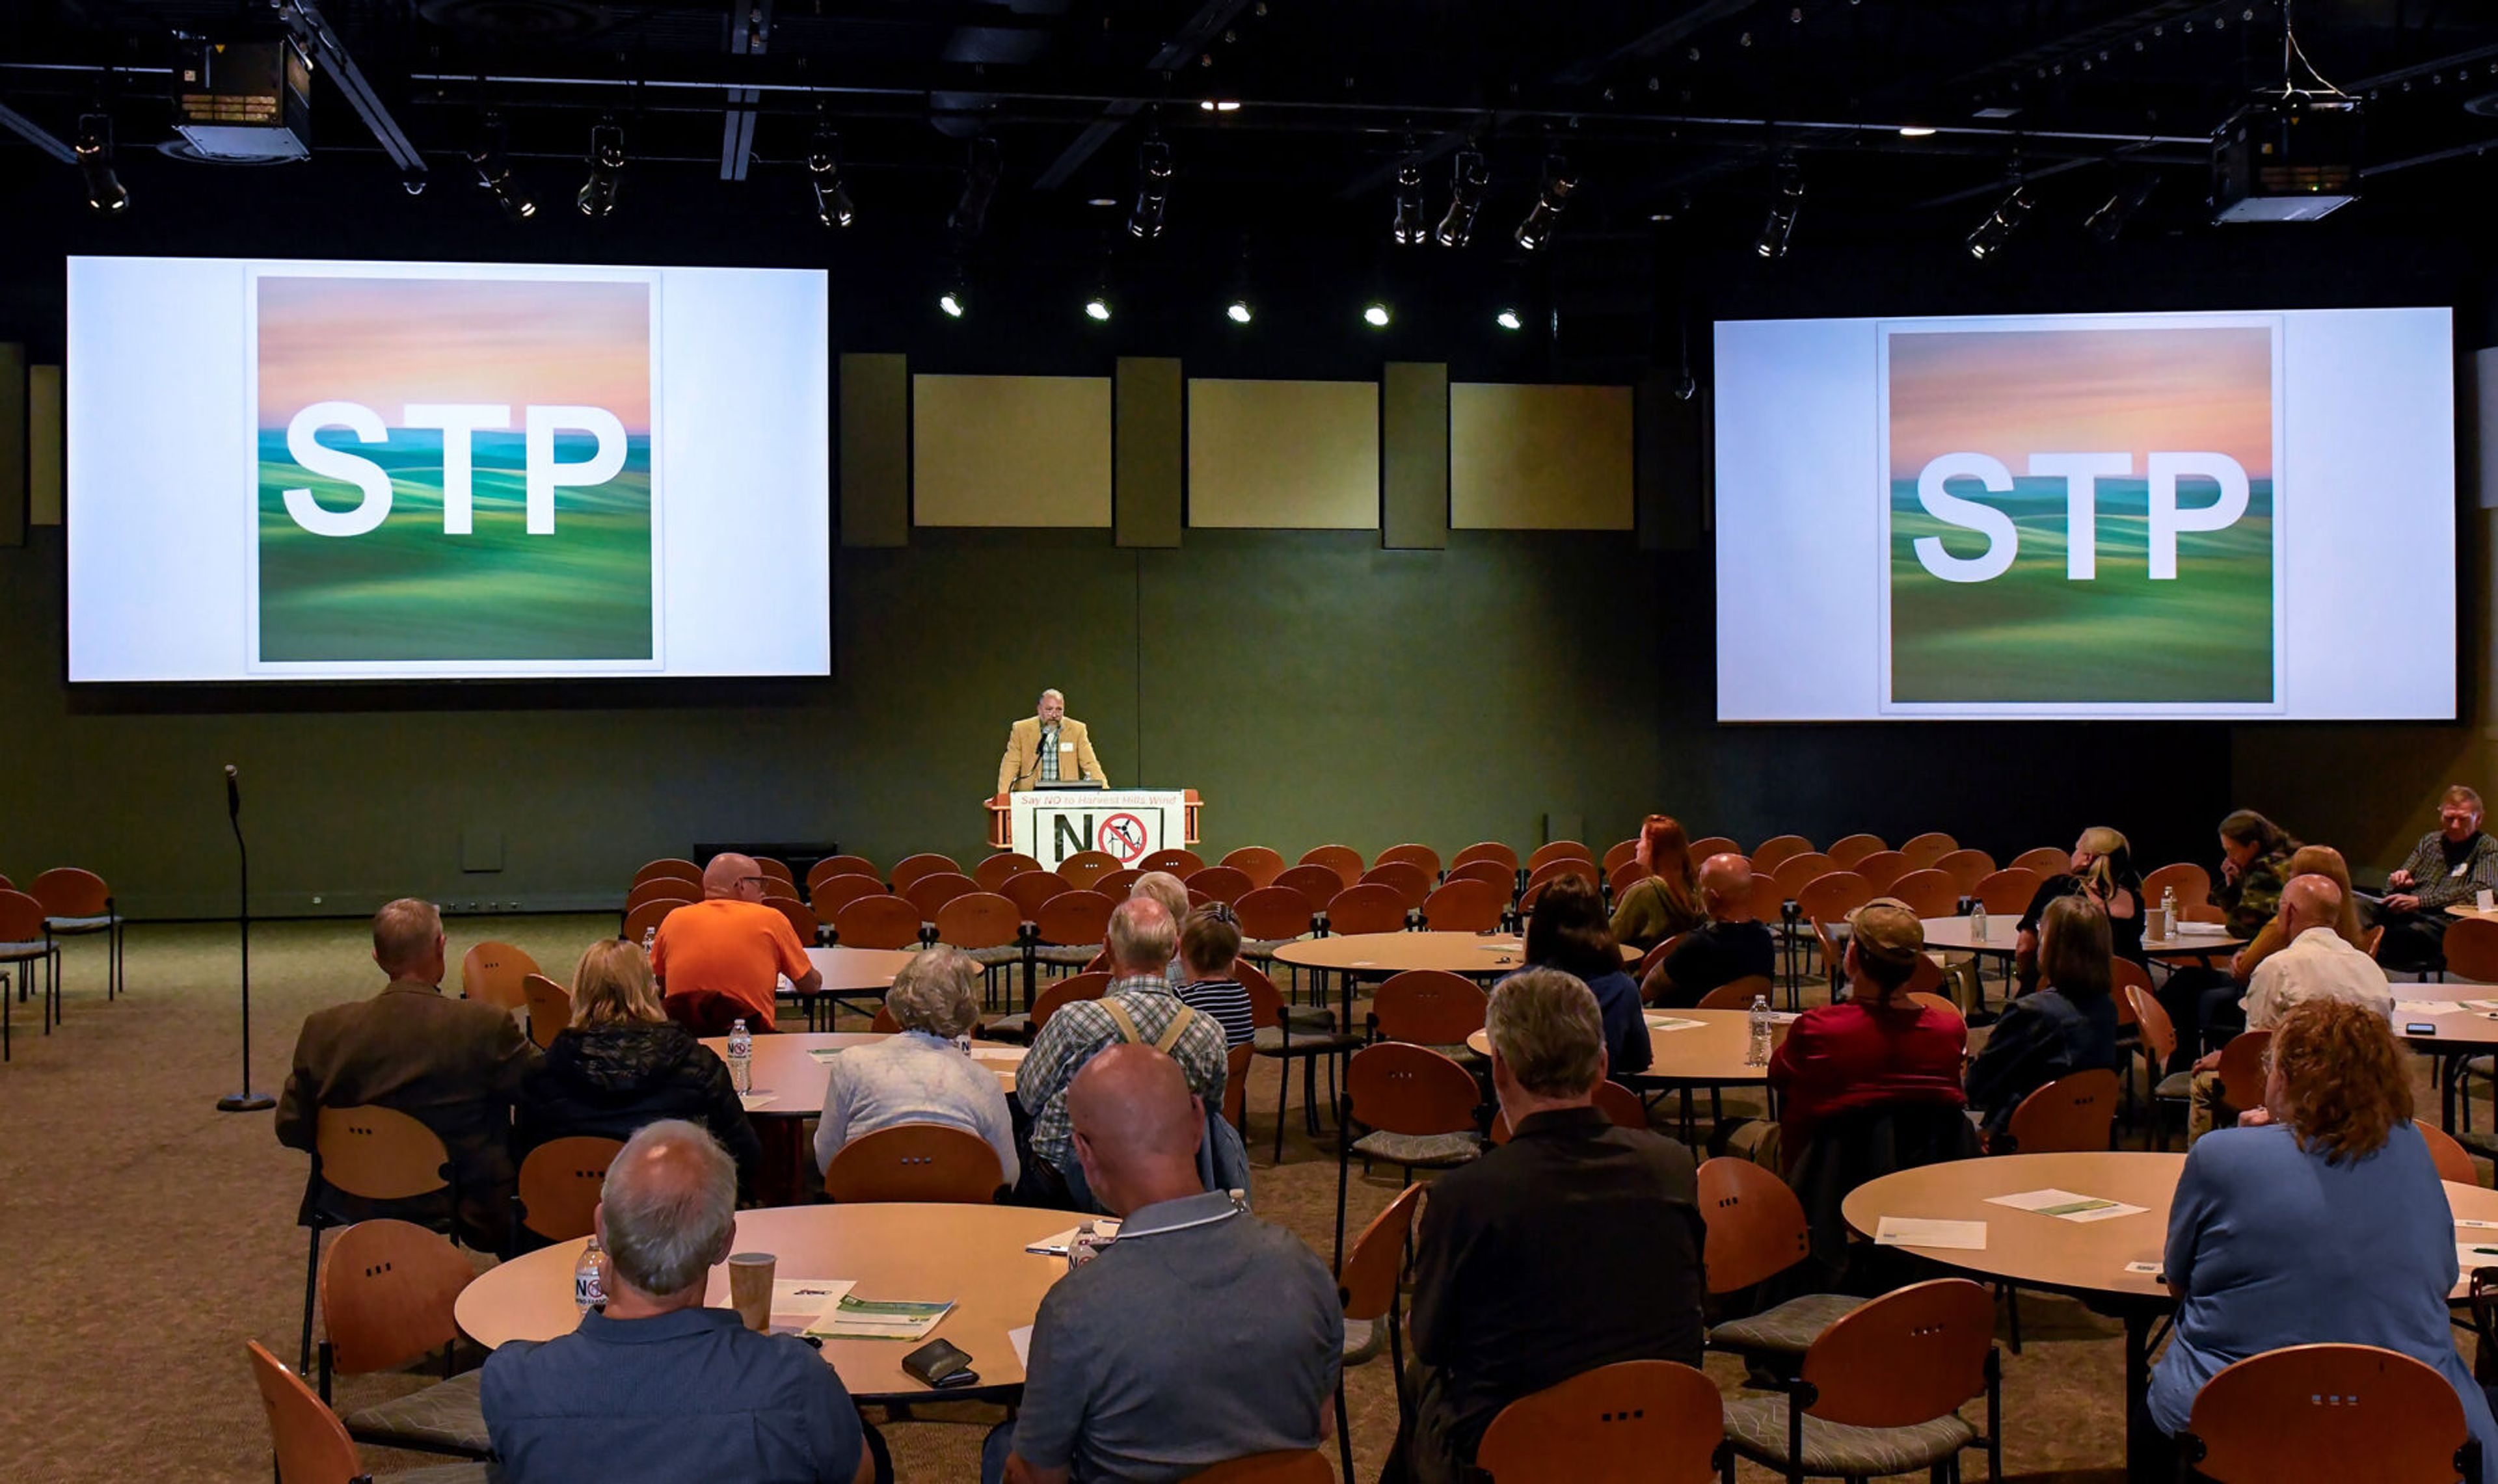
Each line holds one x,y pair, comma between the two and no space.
1125,824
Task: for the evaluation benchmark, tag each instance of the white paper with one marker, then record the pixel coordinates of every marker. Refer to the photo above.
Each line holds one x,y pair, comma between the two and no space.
758,1099
799,1302
1055,1245
2203,930
1915,1231
2483,1005
1010,1056
1665,1023
2067,1206
2469,1255
823,1054
2424,1006
1021,1339
2146,1269
2477,1226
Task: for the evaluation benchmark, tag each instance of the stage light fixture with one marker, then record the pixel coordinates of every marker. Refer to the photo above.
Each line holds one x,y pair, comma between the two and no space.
1153,190
1409,229
1096,309
980,173
596,197
1219,104
824,178
1238,313
955,302
1536,230
2001,223
1508,319
2113,214
494,173
1469,178
1786,202
1916,131
1375,314
104,192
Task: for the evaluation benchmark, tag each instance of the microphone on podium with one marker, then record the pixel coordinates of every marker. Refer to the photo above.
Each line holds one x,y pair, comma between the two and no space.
234,793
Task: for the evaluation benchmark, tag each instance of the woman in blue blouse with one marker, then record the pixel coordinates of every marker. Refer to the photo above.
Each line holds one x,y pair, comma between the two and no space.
1568,930
2321,1223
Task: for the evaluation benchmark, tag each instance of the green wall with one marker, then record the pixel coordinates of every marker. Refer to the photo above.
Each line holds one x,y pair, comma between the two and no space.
1312,686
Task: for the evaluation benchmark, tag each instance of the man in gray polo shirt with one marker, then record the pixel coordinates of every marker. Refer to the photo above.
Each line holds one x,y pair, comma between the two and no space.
1202,1335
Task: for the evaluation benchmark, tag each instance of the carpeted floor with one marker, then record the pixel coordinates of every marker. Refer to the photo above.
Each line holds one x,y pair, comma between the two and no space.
146,1234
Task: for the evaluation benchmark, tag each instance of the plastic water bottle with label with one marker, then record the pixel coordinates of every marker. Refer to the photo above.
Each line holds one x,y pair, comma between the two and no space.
1977,923
589,1278
1763,1032
649,936
741,1058
2169,912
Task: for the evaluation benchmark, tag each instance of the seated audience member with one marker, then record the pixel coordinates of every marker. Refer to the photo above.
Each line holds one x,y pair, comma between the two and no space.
658,1386
455,1065
1567,931
1210,947
919,1076
1876,1046
1574,1246
1666,900
622,1063
2306,861
2452,865
723,957
2067,1026
1201,1335
1173,893
2318,1220
1138,1006
2255,865
2315,963
1731,945
2103,869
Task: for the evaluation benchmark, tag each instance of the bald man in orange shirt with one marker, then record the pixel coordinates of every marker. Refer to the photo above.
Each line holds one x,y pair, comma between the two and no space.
731,945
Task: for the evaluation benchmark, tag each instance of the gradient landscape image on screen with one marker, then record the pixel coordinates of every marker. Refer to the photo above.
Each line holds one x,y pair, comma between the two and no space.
2081,516
454,469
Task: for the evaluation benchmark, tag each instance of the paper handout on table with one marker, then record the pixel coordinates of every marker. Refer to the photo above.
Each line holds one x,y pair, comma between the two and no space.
1915,1231
760,1097
1021,1339
2425,1006
1657,1021
2470,1256
1000,1056
2486,1006
799,1302
823,1054
1055,1245
858,1318
2066,1205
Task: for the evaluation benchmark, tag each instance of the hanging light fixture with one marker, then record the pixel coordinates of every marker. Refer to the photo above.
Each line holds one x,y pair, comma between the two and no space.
2001,223
1153,190
980,173
104,192
1409,227
494,173
1535,233
1786,202
1469,178
596,197
824,178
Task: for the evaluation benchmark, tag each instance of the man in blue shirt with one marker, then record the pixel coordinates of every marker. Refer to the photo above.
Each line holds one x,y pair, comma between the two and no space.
659,1387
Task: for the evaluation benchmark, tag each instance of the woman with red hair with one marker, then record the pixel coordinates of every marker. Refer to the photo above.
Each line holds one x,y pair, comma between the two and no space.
1667,899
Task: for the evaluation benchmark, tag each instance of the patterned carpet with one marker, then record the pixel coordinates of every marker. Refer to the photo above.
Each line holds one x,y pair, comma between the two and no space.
149,1235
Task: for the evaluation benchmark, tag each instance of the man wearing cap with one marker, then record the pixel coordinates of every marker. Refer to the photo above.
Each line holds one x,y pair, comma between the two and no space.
1876,1046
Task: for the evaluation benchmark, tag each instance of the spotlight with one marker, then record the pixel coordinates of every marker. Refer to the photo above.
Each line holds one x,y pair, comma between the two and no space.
1916,131
1219,104
596,197
2118,209
980,184
1096,309
1536,230
1467,180
494,173
104,192
1508,319
1409,229
2000,224
1375,314
1238,313
1153,190
955,302
824,178
1786,200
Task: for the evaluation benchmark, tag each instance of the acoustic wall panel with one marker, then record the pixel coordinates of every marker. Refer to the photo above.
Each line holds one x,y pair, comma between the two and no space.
1284,454
12,444
1011,451
46,434
1147,473
1539,458
1414,418
876,451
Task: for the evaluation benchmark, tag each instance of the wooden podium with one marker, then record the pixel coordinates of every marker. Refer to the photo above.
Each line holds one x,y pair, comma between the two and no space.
1129,824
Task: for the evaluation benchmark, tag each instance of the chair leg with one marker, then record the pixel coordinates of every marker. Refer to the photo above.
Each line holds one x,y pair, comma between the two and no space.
1343,1432
1343,1179
1283,1096
2012,1312
312,1281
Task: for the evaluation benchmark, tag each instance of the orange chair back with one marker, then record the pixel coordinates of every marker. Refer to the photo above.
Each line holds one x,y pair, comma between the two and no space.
1735,994
2072,1114
1407,879
884,1023
1413,855
1635,1419
2471,949
1797,871
1260,865
2453,1161
1073,919
936,889
1316,883
1343,860
1222,883
663,889
1086,868
833,893
2007,892
1849,849
1881,868
313,1444
1621,1105
978,920
832,865
1488,850
1619,854
1463,905
1410,1089
877,922
1769,899
1182,864
1756,1225
387,1289
1429,1007
1119,884
2327,1411
1832,894
670,866
925,1162
911,868
1306,1465
1272,913
1924,850
1966,867
1372,908
550,1008
491,974
1621,878
993,871
1715,844
2047,861
1560,850
646,918
1928,892
778,870
1770,854
2192,883
1028,890
1907,1357
1540,876
802,918
1367,1282
2242,1068
66,891
379,1154
559,1183
1491,873
2159,1032
1088,985
1236,1081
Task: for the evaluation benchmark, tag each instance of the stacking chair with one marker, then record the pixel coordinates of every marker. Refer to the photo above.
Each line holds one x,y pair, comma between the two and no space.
1967,868
1824,900
2242,1068
1422,856
2007,892
386,1295
1928,892
2047,861
1579,866
1301,1465
877,922
1119,883
1258,862
1463,905
76,903
985,925
1801,869
644,921
776,870
1561,850
1225,884
934,889
1235,1087
1366,1284
885,1025
1849,849
1486,850
1926,849
670,866
661,889
2328,1412
910,869
1756,1232
373,1153
2191,882
22,942
1881,868
1029,889
1422,1111
1025,1026
313,1446
925,1162
1086,868
1343,860
833,893
1407,879
1182,864
1650,1421
559,1186
1618,854
1429,1007
802,918
1318,883
1272,916
550,1007
994,870
1736,994
1068,930
1621,878
1620,1105
1371,907
2075,1114
1769,853
832,865
1491,873
1882,1391
1284,1039
2453,1161
1714,845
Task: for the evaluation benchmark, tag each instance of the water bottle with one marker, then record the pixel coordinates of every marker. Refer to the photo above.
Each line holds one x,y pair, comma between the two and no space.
741,1058
2169,912
649,936
1977,923
589,1278
1764,1030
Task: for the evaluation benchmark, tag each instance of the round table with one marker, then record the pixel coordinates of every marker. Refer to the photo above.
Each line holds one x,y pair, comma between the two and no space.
849,973
2086,1259
1712,1052
790,1080
1355,956
972,1255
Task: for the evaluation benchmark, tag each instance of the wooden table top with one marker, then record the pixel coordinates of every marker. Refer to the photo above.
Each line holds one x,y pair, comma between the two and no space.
2044,1252
2458,1025
1712,1052
972,1255
790,1082
2462,909
852,970
2003,934
1476,954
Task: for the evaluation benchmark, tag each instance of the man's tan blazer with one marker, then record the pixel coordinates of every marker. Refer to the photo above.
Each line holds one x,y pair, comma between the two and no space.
1020,768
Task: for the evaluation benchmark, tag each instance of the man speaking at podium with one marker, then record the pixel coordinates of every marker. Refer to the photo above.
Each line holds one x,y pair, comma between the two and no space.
1048,749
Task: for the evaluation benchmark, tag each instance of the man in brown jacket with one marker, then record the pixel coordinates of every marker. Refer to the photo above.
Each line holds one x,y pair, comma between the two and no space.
1047,748
455,1065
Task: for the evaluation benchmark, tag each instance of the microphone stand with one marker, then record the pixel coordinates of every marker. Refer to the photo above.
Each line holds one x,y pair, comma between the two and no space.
246,1100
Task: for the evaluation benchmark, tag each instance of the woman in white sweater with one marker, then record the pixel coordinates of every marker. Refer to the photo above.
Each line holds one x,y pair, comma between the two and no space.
919,1076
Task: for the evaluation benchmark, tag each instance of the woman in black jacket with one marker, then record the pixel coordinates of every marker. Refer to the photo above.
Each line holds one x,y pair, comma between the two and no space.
2068,1026
622,1063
